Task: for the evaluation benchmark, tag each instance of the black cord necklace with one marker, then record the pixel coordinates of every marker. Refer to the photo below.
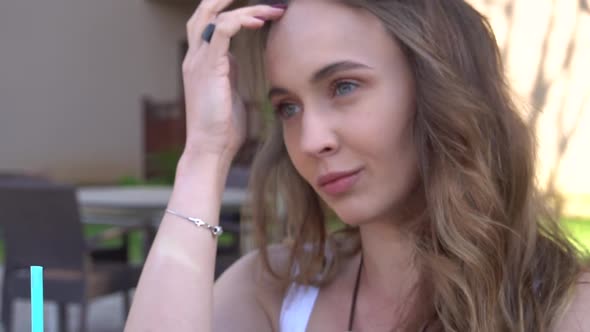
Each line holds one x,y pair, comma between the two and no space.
354,295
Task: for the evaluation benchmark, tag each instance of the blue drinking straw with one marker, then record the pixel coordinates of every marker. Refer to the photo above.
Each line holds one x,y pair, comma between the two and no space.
37,298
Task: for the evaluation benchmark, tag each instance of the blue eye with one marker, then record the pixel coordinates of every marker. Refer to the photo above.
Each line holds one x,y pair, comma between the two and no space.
287,110
344,88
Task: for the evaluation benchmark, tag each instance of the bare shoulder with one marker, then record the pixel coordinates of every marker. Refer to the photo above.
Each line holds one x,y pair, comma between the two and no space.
577,315
246,297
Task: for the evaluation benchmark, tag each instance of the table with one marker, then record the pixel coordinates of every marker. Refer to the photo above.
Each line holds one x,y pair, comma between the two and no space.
139,206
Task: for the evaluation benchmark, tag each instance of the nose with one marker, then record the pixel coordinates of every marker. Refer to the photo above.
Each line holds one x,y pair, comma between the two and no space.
318,134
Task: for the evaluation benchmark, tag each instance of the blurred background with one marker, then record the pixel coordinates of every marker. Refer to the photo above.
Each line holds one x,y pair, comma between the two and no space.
91,99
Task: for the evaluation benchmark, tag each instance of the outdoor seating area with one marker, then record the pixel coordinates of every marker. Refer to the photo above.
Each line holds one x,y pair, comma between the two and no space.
92,239
93,123
41,226
46,223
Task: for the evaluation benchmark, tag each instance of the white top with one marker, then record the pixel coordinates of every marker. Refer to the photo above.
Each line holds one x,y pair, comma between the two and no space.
297,307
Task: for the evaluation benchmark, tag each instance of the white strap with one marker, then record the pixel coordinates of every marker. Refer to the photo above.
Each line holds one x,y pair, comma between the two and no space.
297,307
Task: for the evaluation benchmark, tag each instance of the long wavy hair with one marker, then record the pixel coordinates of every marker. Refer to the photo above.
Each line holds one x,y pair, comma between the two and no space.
496,260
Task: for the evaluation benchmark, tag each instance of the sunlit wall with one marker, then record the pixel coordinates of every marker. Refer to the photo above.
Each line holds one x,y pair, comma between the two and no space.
546,47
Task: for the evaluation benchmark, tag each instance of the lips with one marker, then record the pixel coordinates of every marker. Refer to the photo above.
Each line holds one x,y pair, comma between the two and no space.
338,182
331,177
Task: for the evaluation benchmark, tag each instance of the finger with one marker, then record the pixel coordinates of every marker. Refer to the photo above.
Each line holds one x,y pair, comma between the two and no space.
229,23
203,15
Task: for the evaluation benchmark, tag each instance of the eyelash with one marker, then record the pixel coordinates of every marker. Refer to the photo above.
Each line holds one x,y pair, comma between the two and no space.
333,88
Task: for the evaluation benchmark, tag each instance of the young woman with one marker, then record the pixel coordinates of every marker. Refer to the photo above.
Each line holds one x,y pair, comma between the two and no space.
394,115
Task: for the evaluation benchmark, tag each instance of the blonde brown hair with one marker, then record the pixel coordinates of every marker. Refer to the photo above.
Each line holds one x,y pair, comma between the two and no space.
496,260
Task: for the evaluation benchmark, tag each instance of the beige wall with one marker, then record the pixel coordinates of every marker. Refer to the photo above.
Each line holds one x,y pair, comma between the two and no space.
546,46
71,76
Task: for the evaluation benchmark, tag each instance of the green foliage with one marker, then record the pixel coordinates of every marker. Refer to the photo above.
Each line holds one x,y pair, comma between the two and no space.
165,163
127,181
579,230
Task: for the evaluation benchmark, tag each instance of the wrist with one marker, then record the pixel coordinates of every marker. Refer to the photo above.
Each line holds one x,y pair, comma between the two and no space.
202,162
198,152
199,185
205,173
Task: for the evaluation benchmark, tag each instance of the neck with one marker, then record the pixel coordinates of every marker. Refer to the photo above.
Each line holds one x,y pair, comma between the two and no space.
388,249
389,281
389,271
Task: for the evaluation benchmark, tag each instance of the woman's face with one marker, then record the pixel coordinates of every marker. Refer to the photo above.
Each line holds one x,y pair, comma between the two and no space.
344,93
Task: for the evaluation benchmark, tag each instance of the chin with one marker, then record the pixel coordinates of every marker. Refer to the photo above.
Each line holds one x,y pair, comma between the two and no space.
352,209
353,217
364,211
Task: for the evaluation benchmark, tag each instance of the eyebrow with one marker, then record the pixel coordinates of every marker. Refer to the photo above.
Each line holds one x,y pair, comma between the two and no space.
323,73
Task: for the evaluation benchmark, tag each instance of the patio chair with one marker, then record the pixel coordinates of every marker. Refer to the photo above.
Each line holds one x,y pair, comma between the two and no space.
99,252
41,226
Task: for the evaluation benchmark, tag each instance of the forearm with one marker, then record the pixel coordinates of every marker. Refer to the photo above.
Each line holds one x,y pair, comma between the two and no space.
175,289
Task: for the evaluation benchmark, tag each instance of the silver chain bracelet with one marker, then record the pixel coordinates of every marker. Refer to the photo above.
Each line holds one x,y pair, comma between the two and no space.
215,230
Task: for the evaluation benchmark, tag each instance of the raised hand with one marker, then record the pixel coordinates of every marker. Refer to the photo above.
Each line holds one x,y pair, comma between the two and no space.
216,117
178,271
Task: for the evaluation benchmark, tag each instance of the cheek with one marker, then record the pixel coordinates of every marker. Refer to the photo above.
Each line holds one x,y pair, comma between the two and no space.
386,130
387,137
398,149
289,145
400,164
399,146
295,155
